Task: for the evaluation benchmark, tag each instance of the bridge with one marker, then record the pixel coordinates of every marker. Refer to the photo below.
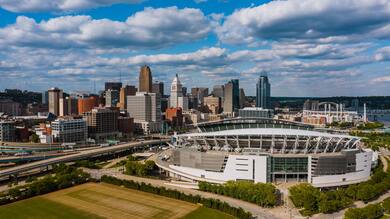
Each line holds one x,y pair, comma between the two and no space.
79,156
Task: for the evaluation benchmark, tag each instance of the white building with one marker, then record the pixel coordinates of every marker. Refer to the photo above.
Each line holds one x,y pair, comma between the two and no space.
69,130
177,99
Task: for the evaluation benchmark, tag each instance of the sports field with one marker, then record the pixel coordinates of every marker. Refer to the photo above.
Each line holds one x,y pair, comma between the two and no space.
94,200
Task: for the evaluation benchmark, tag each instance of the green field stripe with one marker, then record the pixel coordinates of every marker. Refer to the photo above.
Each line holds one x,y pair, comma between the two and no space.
38,208
85,195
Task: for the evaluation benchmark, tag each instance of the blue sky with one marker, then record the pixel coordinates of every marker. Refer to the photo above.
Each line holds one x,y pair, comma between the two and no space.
308,47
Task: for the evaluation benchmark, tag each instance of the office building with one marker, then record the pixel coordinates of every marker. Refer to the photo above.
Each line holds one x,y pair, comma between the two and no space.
45,97
55,95
112,98
126,126
228,107
145,108
7,131
68,106
255,112
218,91
177,99
112,86
158,88
145,79
174,116
86,104
10,107
236,94
128,90
213,104
102,123
199,93
69,130
263,92
242,98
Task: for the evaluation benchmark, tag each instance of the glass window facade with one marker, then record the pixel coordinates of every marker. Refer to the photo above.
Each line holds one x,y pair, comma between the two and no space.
289,164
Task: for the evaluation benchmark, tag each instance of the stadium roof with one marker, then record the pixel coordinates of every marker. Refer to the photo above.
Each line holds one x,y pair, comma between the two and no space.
268,131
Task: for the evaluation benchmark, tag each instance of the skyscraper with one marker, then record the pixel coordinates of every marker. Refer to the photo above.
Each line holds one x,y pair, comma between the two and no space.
177,99
112,98
145,79
228,98
242,98
55,95
112,86
158,88
236,94
218,91
128,90
263,92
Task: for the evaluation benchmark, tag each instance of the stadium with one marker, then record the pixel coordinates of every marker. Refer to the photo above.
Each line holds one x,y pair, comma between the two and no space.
267,150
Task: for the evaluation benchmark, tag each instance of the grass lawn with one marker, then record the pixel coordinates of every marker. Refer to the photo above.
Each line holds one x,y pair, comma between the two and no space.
93,200
39,207
208,213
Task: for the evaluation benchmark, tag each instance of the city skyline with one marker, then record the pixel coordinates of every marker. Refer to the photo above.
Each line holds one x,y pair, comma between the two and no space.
81,44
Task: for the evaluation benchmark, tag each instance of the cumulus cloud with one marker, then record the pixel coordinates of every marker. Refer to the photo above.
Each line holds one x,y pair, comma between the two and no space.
58,5
150,28
325,20
383,54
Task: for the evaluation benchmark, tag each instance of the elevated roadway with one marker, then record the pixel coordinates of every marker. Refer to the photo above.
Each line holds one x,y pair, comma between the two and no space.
79,156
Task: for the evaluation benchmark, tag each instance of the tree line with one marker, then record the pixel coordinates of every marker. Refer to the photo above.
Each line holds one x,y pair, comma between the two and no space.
313,201
64,176
170,193
372,211
135,168
262,194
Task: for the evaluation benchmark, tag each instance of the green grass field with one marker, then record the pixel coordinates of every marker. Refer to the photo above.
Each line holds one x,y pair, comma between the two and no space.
208,213
93,200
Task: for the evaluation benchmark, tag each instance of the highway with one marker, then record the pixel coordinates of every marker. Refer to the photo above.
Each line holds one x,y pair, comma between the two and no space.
81,155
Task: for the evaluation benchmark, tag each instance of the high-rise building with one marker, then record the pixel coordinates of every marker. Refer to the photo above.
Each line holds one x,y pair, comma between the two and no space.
184,90
213,104
158,88
7,131
236,94
55,95
128,90
199,93
177,99
145,79
112,86
242,98
231,96
112,98
145,108
228,98
68,106
263,92
68,129
102,123
218,91
86,104
45,97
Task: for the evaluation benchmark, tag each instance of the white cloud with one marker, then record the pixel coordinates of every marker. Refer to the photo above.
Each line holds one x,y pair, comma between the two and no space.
326,20
151,28
58,5
381,79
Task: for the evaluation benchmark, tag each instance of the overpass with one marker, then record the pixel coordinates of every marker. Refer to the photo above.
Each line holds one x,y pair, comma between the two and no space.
79,156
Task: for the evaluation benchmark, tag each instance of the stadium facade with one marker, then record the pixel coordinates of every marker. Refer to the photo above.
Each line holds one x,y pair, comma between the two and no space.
267,150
